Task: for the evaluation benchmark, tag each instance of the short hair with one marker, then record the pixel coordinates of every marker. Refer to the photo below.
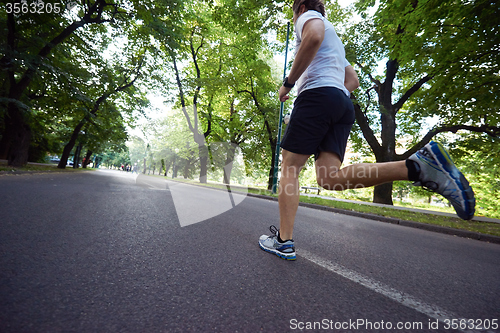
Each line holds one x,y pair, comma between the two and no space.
316,5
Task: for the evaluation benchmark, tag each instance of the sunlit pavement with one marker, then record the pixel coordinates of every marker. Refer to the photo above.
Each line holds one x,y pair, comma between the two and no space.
99,251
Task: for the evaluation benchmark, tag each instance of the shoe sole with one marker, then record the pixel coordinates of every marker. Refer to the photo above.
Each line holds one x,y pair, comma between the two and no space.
279,254
448,167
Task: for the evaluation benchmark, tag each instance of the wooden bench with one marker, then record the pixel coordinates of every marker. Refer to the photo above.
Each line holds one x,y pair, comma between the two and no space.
307,188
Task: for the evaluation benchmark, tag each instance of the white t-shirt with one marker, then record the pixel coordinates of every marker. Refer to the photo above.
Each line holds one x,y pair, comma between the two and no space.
328,66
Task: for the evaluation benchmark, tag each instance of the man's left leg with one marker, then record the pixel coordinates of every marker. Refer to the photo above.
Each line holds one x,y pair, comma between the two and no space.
431,167
331,177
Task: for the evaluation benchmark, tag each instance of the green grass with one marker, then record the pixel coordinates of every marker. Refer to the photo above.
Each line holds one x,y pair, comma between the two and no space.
426,206
438,220
34,168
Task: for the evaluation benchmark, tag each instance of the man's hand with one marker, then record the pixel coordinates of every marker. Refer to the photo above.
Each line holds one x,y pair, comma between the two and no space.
283,93
351,81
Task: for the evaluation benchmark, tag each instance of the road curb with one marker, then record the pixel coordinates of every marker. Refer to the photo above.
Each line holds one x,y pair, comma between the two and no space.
392,220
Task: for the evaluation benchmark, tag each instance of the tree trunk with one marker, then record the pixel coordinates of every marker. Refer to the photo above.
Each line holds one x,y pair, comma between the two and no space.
69,146
383,194
76,159
87,159
174,167
198,138
273,144
167,166
203,154
228,166
387,151
15,143
271,170
186,170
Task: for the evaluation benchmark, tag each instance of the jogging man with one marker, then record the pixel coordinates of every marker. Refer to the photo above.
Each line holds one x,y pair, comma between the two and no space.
321,121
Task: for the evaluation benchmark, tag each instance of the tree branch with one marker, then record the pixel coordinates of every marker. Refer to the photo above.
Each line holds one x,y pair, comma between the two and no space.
364,125
98,7
392,67
181,92
11,23
194,55
377,82
124,86
411,91
493,131
266,123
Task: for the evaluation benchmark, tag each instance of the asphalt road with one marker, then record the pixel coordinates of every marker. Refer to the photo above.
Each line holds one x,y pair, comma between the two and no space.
106,251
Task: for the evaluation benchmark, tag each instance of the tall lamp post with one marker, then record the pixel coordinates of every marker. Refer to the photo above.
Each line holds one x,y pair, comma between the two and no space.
280,123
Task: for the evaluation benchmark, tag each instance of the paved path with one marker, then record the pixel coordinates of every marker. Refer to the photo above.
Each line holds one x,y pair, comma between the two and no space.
104,252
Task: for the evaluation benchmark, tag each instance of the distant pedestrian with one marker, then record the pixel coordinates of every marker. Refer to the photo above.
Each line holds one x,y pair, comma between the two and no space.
320,123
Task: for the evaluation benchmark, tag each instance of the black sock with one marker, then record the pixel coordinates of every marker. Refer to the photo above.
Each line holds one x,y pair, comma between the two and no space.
413,170
280,240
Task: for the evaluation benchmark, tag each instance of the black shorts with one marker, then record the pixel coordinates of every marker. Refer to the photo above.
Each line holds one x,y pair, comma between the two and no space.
321,120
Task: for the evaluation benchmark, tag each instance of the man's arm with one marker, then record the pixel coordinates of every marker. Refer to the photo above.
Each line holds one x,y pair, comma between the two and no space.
351,81
313,34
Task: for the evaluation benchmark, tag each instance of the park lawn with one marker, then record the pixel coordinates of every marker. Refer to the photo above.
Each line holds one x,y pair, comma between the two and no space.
35,168
488,228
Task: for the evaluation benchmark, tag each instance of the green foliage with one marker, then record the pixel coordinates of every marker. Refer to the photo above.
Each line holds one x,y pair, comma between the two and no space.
55,71
479,157
115,158
225,89
441,63
441,66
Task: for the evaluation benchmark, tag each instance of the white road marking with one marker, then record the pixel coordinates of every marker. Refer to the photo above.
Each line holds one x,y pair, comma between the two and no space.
405,299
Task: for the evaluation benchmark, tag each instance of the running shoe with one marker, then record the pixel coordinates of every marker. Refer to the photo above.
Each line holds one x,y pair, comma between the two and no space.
438,173
271,244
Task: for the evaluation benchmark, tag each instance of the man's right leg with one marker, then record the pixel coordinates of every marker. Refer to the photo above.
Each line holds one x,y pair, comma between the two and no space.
289,193
280,242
